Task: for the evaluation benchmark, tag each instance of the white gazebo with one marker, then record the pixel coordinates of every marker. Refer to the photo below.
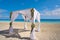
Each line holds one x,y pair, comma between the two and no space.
28,14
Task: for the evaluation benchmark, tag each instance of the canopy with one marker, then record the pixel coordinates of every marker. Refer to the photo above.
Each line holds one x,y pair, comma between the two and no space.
27,13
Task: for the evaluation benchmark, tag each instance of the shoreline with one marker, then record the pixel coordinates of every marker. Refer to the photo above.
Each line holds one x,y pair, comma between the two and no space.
30,22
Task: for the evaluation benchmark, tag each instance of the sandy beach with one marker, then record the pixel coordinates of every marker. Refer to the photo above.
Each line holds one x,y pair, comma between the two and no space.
49,31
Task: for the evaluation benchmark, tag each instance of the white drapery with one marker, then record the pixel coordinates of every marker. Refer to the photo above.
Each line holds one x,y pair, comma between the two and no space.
38,19
27,13
28,16
14,16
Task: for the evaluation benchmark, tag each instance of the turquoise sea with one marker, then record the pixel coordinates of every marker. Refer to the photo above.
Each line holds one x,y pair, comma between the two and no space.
42,20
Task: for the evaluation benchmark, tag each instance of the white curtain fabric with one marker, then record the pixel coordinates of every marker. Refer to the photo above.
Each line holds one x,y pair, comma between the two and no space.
32,35
25,22
35,15
25,25
27,13
38,19
10,30
14,16
23,17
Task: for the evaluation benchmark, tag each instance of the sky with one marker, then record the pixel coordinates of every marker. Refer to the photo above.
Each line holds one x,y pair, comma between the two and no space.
49,9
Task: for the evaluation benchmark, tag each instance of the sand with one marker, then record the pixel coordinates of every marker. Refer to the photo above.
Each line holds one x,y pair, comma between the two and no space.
49,31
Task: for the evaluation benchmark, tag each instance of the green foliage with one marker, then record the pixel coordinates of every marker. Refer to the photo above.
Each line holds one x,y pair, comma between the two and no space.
10,24
32,12
10,14
33,25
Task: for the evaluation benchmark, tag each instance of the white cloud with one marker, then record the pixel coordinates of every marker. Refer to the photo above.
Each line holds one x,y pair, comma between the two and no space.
57,5
3,10
0,16
4,16
55,12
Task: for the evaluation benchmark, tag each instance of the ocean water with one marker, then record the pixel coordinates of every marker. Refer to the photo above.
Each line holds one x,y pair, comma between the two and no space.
42,20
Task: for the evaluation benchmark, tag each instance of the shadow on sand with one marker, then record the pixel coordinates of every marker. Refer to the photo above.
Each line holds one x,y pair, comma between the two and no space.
15,34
